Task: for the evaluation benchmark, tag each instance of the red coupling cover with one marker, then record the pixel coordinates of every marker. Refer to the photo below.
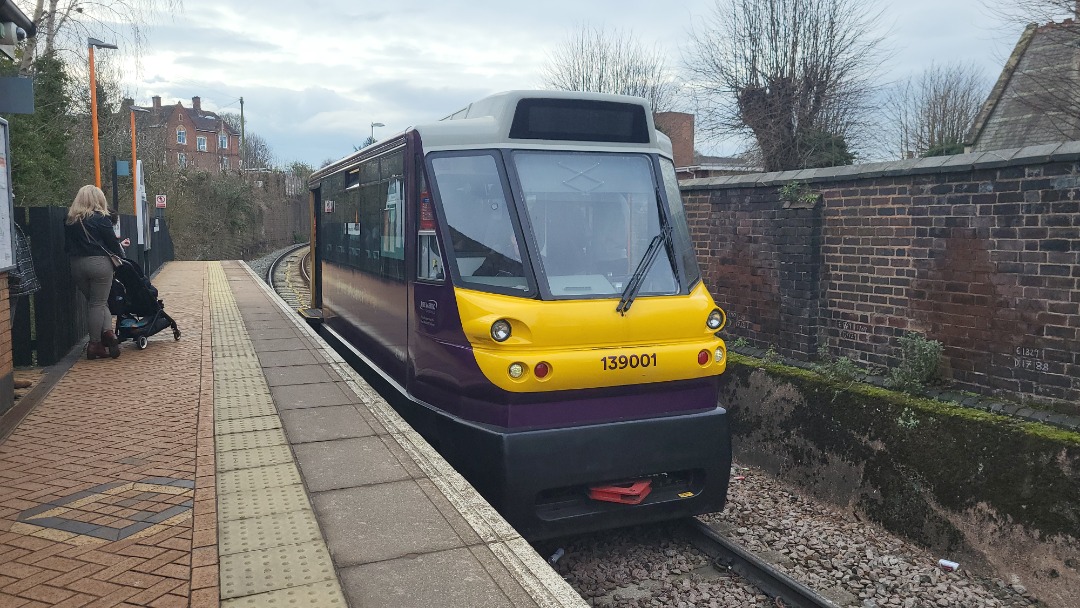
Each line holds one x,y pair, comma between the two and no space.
629,493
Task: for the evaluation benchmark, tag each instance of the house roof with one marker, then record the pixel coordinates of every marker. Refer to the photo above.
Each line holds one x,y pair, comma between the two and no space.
202,120
1036,96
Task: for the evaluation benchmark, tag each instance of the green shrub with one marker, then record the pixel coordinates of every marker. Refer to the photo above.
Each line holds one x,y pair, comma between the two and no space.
771,356
839,369
919,360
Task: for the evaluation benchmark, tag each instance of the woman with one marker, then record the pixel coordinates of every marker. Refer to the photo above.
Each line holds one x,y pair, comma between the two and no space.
91,245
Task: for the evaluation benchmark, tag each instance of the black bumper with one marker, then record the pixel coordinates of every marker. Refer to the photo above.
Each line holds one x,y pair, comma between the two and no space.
539,480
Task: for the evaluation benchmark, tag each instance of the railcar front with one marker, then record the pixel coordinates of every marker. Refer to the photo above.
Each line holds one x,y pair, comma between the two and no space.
559,329
522,276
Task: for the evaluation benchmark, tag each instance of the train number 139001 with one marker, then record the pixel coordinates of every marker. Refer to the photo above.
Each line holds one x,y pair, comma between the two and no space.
635,361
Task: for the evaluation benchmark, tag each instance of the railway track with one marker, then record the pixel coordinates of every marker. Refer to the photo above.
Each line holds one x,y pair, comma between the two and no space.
728,555
680,563
288,276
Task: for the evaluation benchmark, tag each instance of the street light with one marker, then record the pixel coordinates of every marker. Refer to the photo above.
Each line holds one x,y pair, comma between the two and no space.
91,43
373,125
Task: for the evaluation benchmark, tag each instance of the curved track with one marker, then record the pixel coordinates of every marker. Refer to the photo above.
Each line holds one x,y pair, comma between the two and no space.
288,276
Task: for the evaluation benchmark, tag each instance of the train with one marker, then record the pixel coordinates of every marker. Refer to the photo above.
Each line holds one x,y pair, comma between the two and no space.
520,279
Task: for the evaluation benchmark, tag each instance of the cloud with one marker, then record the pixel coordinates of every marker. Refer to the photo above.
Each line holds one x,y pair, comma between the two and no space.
314,76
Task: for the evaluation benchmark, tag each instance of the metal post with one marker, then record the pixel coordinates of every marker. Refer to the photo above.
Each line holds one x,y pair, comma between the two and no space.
115,187
93,120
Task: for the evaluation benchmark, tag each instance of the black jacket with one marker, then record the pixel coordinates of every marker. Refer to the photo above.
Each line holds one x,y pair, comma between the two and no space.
101,235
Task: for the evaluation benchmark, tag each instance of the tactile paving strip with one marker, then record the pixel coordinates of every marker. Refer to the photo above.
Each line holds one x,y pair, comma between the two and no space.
255,457
318,594
255,399
253,439
270,550
249,424
261,478
266,408
274,568
270,531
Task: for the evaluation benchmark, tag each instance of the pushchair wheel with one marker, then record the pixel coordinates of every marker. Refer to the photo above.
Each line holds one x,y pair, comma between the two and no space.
176,334
140,342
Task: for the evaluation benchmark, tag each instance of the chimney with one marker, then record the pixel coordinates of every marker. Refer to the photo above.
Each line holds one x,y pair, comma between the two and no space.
679,127
157,103
196,104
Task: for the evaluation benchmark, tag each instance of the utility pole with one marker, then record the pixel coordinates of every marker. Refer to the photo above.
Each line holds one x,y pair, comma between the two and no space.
243,149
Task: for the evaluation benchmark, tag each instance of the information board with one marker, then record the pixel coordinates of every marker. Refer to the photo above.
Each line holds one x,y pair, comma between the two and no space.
7,227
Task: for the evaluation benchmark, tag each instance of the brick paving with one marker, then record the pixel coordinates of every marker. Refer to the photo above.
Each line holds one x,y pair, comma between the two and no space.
107,488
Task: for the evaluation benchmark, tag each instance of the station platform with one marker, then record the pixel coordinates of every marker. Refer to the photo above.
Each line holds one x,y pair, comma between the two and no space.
244,465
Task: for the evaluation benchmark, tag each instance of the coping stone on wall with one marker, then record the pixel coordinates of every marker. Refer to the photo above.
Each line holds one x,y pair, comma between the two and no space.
1068,151
959,162
1063,152
1036,154
776,179
993,159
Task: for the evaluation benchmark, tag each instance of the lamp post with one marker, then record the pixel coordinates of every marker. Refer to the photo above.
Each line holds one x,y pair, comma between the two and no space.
92,43
373,125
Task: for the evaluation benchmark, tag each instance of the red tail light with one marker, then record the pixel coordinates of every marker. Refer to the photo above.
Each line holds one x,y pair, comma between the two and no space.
703,357
541,370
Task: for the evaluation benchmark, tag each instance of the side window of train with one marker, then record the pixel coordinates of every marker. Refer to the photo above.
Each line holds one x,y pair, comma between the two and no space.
392,219
429,261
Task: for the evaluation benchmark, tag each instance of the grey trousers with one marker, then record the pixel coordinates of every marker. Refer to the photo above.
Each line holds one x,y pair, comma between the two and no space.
93,276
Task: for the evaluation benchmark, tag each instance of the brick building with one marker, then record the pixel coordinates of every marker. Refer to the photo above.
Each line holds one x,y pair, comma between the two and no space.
196,138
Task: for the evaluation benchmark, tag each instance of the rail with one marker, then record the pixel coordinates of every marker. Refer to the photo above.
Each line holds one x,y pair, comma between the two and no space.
288,276
726,555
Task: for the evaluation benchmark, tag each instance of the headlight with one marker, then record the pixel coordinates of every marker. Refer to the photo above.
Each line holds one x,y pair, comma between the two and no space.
500,330
516,370
719,355
716,319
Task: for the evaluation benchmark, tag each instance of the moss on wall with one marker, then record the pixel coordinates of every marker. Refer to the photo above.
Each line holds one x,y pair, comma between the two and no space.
961,482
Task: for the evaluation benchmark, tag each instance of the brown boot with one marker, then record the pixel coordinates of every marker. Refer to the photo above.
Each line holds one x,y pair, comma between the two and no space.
96,350
108,338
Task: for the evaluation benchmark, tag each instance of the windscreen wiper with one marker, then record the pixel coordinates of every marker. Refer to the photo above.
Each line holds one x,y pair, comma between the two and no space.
632,288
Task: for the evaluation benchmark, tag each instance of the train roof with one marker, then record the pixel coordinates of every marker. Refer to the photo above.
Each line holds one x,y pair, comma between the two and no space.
538,120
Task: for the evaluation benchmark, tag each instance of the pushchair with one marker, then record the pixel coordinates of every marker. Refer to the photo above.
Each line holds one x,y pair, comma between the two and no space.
133,299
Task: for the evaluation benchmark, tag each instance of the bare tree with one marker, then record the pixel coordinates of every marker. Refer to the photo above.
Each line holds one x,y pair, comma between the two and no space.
791,73
596,60
930,115
66,24
256,152
1028,11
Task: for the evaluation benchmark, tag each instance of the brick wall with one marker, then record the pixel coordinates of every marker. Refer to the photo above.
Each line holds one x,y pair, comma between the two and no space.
285,215
7,369
980,252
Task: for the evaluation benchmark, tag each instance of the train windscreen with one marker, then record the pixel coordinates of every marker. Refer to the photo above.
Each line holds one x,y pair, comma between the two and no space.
482,234
593,217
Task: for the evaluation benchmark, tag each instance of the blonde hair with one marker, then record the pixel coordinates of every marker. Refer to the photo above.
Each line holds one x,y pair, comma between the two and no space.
88,201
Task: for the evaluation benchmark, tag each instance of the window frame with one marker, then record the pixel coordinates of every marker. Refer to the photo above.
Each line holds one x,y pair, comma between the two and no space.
181,136
223,137
200,143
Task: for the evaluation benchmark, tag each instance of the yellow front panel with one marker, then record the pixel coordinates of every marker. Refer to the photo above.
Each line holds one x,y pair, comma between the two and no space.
588,344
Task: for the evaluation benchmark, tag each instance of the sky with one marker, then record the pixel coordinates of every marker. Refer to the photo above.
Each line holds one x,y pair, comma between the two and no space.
315,74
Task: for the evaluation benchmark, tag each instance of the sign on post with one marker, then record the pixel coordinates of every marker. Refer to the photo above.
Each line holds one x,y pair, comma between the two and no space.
142,212
159,201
